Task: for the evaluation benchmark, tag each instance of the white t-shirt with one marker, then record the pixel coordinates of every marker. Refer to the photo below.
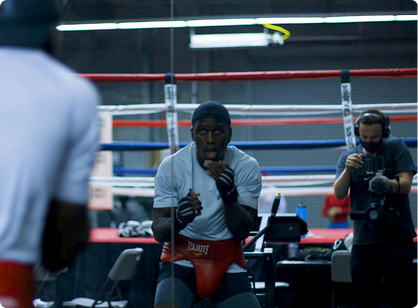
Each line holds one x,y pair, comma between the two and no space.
49,134
181,172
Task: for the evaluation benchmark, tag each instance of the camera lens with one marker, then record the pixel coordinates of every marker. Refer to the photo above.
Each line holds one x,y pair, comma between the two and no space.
373,214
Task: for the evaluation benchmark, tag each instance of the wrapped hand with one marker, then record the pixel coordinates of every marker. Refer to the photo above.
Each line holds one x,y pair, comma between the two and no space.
226,187
185,212
189,207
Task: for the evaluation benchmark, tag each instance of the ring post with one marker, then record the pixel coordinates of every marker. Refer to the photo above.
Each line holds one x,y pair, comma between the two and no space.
350,138
170,90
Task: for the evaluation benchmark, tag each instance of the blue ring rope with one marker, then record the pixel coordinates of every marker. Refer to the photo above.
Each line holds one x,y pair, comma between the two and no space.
264,170
243,145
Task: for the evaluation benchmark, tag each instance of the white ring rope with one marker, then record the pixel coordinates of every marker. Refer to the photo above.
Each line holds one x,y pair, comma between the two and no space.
259,109
298,185
286,191
289,185
286,180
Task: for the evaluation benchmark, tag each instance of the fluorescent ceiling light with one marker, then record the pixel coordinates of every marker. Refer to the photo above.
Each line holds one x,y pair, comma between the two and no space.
405,17
220,22
348,19
84,27
234,40
233,22
152,25
290,20
123,25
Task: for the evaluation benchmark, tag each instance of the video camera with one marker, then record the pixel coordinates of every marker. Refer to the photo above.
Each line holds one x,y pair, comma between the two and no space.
380,213
373,165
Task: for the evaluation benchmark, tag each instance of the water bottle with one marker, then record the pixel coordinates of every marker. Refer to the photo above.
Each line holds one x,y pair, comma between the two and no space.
302,213
292,250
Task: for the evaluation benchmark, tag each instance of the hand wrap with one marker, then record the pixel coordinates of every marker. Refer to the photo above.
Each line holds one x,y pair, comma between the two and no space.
226,187
185,212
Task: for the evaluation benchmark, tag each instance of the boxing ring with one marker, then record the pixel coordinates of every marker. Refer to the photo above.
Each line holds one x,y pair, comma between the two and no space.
108,180
289,180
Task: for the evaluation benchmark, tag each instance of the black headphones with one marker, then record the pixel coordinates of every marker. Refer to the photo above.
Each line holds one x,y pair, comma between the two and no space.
386,127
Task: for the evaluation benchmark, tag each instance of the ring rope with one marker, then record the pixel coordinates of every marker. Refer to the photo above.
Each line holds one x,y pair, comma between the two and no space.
144,187
243,145
263,110
252,122
286,191
245,76
267,110
283,180
264,170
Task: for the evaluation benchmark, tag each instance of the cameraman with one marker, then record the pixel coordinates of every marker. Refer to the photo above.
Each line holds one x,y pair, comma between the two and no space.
380,250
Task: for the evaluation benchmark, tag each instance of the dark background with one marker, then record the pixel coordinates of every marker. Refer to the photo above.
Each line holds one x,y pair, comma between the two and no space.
365,45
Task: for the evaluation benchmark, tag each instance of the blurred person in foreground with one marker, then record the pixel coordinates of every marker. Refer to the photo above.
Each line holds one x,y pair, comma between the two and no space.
208,191
378,172
49,135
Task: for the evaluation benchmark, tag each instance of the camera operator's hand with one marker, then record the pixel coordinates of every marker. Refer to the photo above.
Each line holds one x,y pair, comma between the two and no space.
189,207
224,177
354,161
342,184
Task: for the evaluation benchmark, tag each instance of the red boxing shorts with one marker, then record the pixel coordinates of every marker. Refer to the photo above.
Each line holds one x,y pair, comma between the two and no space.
17,287
210,259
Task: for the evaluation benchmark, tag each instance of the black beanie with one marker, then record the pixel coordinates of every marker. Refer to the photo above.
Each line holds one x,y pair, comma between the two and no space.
211,110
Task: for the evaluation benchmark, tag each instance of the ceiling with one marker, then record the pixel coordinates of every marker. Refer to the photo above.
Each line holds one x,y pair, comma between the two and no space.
99,51
141,10
76,10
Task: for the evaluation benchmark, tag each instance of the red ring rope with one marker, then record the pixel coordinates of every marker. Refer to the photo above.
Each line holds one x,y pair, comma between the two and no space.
252,122
242,76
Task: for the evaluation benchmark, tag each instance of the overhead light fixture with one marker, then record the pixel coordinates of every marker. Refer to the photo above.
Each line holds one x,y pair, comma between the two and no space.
123,25
233,22
290,20
86,27
231,40
406,17
220,22
152,24
350,19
